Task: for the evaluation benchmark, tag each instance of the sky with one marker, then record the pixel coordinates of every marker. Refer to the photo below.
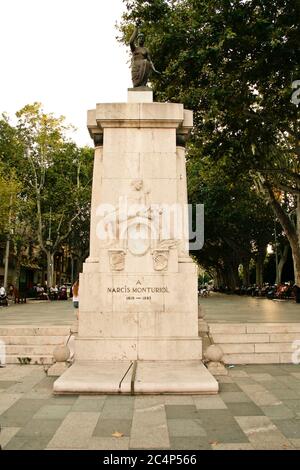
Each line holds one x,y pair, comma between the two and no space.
64,54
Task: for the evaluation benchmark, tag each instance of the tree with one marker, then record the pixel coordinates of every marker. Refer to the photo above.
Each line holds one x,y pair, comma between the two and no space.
57,175
238,225
233,63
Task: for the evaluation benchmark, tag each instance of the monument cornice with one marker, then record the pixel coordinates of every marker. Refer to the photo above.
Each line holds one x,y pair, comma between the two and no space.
139,115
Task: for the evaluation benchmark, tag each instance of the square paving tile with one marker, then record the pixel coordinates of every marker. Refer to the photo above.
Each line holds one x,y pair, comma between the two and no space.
88,404
234,397
106,427
275,369
292,404
21,412
274,385
50,412
186,428
179,400
236,446
221,426
23,443
75,431
295,443
181,411
262,433
229,388
5,384
46,383
39,428
289,427
111,443
62,400
211,402
118,408
278,412
189,443
225,379
262,377
244,409
6,434
286,394
237,373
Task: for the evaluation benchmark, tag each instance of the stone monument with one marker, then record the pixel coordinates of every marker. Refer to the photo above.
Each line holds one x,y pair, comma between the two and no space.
138,299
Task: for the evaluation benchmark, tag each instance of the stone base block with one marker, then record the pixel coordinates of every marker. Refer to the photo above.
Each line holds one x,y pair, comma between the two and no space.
157,377
185,377
95,378
142,349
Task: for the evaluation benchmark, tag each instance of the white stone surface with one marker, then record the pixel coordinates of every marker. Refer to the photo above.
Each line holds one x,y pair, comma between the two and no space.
190,377
95,377
135,96
174,377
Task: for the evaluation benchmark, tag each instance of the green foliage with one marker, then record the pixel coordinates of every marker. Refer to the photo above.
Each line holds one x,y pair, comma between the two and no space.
233,64
45,184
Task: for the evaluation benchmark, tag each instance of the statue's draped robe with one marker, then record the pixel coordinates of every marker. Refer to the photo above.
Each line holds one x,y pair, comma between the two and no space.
140,67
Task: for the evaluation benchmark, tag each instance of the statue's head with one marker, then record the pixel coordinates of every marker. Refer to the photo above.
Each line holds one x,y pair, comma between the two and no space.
141,39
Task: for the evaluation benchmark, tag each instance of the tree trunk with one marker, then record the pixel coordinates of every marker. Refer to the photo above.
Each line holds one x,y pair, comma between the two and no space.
260,269
50,269
246,273
296,249
232,276
6,261
219,278
16,280
292,231
282,261
7,248
296,261
72,270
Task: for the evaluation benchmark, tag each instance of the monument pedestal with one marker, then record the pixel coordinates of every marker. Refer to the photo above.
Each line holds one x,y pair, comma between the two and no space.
134,378
138,320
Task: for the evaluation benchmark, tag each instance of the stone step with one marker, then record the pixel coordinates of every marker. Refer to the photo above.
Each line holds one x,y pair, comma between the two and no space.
245,348
257,343
30,330
20,350
267,358
255,338
33,340
264,358
35,359
240,338
240,328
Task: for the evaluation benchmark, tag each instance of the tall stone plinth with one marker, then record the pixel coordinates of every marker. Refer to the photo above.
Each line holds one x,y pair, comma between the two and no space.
138,321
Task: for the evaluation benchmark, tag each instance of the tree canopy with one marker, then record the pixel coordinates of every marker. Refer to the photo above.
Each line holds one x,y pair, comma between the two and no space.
234,64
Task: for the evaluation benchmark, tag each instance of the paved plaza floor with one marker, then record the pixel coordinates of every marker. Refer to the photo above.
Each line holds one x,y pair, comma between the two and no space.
218,308
38,313
239,309
258,407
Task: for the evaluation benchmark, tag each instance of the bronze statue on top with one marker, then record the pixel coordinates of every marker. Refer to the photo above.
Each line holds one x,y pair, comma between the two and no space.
141,65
